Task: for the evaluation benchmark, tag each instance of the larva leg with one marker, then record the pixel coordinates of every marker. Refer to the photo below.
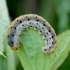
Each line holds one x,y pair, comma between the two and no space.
20,40
24,33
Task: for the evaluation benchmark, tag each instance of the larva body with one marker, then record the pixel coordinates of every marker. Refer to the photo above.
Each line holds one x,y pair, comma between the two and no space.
36,22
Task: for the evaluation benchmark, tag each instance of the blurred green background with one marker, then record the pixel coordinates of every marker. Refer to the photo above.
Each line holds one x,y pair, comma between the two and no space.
56,12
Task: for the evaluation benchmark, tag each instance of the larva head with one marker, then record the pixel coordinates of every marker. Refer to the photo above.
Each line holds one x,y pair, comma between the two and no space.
14,47
10,40
49,49
11,33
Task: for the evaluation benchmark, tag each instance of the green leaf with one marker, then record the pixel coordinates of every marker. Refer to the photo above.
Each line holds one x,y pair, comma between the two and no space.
4,22
11,61
32,57
3,64
62,12
4,16
2,30
61,51
2,54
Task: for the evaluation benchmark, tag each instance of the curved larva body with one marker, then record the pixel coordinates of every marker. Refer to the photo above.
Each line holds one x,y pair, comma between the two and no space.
33,21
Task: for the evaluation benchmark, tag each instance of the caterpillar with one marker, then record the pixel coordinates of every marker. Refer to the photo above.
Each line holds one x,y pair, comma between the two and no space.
36,22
